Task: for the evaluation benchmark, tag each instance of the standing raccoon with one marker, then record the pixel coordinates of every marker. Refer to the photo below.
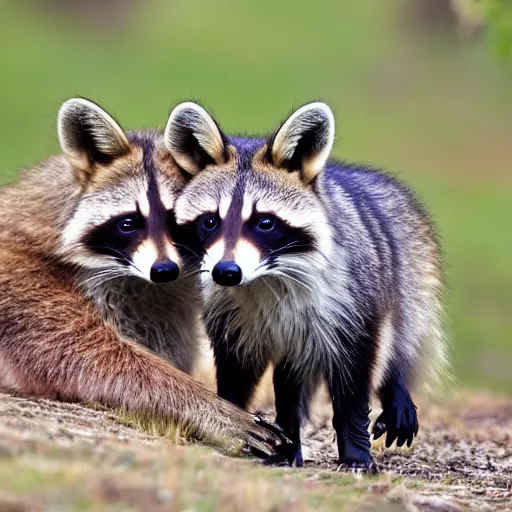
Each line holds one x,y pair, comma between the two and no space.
99,299
325,269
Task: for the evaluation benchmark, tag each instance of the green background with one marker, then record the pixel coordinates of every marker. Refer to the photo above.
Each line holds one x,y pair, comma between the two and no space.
426,102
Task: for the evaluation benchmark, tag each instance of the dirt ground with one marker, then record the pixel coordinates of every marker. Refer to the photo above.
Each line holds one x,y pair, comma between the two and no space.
56,456
463,450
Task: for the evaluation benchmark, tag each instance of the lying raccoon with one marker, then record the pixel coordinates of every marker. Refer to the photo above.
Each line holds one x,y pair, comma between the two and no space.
87,309
327,270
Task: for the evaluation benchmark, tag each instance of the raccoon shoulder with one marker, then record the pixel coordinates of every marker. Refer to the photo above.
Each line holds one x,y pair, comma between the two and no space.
363,181
36,207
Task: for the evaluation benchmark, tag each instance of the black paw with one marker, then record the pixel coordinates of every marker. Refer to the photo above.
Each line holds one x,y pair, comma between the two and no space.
359,468
399,419
299,460
266,439
286,455
276,430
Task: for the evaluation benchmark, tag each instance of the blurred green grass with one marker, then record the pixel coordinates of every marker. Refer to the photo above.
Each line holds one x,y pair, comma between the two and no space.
436,112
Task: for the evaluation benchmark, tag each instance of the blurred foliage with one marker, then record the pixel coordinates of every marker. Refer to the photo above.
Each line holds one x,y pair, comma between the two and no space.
432,107
499,17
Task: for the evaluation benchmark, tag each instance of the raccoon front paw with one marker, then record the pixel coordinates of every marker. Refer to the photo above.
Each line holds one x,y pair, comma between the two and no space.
287,455
265,440
399,419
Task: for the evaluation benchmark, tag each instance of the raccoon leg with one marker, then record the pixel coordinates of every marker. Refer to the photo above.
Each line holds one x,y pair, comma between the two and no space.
292,397
350,395
54,343
399,418
351,422
99,367
236,380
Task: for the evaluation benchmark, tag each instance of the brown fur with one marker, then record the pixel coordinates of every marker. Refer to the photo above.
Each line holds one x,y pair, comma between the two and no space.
55,345
56,342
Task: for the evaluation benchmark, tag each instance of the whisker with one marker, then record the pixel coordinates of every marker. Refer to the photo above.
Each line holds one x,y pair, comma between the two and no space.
102,277
187,248
288,276
124,258
107,246
295,270
272,290
99,274
193,273
287,246
261,265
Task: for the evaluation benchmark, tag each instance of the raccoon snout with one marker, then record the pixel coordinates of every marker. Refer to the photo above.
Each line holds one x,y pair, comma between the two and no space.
227,273
164,272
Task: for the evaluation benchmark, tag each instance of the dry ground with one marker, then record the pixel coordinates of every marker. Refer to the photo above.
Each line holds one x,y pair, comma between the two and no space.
56,456
464,450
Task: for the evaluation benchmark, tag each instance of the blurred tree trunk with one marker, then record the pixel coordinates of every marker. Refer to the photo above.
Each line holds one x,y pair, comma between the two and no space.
430,15
100,13
458,17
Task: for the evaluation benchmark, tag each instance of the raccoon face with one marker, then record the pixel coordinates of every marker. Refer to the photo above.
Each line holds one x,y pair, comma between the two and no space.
250,207
123,223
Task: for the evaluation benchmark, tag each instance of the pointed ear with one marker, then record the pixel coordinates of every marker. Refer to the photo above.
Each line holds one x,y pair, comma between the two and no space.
88,136
194,138
304,141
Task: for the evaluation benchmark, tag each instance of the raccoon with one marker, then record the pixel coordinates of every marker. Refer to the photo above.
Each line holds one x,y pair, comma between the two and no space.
99,299
324,269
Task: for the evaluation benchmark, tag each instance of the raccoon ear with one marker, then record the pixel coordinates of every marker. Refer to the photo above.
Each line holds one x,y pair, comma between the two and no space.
194,138
304,141
89,136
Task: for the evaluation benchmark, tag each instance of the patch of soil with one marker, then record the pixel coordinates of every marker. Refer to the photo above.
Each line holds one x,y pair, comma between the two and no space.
463,449
461,459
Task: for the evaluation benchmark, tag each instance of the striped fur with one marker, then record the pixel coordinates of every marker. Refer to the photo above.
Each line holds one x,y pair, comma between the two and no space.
349,288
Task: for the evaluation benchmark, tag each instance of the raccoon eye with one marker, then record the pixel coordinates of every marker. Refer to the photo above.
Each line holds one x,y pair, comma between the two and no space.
210,222
266,223
127,225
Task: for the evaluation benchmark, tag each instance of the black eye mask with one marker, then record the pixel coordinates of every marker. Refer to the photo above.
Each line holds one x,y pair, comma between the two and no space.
119,237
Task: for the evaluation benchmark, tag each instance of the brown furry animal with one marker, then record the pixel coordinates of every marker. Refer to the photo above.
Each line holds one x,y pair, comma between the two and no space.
88,311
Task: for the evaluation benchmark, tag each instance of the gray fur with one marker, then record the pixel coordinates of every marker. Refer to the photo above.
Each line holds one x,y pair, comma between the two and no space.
327,270
377,256
164,318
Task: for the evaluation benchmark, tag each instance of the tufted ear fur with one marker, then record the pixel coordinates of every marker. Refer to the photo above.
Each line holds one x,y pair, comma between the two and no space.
304,141
194,138
88,136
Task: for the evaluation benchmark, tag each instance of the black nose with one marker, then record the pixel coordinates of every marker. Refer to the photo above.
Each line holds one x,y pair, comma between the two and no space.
227,273
164,272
